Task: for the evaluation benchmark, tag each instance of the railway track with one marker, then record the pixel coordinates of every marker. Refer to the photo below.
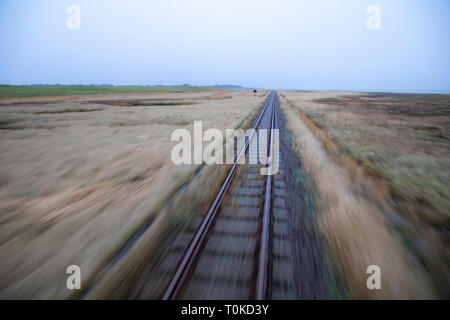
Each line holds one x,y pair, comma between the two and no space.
257,241
238,245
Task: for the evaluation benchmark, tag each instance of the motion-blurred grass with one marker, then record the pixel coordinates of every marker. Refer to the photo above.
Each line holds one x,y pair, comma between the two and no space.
80,178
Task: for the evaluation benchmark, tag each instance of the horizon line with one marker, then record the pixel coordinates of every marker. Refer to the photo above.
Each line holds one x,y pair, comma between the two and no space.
238,87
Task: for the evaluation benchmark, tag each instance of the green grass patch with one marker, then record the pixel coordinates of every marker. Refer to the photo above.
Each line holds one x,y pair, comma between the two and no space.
7,91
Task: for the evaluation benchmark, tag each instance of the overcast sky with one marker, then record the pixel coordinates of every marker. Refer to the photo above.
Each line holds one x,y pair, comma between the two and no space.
314,44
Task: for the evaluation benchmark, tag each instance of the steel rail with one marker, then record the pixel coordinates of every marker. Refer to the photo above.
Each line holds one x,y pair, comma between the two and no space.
197,242
263,259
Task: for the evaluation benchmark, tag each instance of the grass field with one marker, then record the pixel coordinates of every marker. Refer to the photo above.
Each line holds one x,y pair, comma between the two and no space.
7,91
401,142
78,178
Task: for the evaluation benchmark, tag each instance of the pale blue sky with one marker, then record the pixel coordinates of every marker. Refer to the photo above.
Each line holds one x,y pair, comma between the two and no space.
314,44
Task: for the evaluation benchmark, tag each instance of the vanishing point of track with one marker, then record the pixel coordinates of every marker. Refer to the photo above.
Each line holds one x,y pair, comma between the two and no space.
254,198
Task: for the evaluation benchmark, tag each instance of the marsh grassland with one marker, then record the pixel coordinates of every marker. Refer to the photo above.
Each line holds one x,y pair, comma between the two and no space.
82,174
79,175
381,163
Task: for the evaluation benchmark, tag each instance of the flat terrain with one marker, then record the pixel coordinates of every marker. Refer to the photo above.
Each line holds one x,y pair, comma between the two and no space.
396,151
79,175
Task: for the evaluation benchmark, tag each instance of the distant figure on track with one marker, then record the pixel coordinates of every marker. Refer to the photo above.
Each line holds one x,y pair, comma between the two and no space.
254,92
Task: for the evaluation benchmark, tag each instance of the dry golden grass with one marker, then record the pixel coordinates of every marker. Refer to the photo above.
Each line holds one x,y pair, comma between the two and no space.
76,185
354,209
402,142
